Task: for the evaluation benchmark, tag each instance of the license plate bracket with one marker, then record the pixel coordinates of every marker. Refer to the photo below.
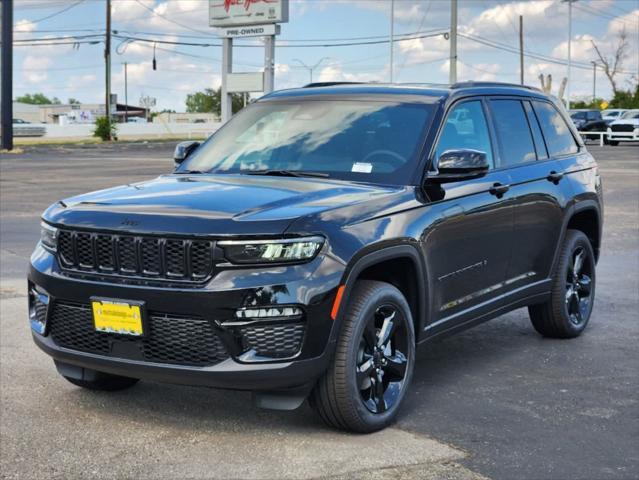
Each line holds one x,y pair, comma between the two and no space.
121,317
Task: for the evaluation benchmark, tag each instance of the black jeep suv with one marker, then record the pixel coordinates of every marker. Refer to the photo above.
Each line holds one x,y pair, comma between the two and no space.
315,240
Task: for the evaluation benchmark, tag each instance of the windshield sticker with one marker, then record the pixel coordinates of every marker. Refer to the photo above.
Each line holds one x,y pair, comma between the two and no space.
361,167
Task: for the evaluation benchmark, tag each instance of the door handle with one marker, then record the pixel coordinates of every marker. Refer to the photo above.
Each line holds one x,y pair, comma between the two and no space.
499,189
555,177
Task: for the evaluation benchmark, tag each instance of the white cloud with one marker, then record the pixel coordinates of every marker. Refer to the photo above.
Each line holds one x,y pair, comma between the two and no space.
173,16
34,69
24,26
335,73
482,72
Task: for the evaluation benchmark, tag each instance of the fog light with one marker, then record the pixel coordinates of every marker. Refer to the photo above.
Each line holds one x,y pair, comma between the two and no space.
38,306
269,312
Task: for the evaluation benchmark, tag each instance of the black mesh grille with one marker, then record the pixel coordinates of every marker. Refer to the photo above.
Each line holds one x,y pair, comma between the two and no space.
170,338
622,128
136,256
278,341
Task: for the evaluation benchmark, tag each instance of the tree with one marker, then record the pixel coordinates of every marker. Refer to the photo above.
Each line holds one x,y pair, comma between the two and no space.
612,65
73,101
209,101
37,99
626,99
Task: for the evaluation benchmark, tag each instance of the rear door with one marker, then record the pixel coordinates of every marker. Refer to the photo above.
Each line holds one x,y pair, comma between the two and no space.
537,189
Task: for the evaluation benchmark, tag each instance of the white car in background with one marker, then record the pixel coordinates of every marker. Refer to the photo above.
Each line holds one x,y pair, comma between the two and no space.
612,114
625,129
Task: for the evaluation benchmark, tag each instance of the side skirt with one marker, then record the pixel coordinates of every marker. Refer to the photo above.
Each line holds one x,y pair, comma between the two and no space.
529,295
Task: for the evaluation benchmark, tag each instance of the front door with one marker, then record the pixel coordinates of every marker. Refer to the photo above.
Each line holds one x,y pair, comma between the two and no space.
468,248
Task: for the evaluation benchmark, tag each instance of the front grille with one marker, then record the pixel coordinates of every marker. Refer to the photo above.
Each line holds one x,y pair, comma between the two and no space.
172,339
622,128
276,341
136,256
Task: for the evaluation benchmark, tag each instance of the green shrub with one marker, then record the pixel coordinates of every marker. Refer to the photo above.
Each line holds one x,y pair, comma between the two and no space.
105,129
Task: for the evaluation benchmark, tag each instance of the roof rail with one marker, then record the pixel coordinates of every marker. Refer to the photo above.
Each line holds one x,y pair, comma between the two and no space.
330,84
491,84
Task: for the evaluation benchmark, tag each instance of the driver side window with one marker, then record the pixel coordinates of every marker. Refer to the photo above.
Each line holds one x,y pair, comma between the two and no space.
466,128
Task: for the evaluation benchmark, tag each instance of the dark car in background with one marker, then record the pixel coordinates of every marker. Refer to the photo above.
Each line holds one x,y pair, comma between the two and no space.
310,245
589,121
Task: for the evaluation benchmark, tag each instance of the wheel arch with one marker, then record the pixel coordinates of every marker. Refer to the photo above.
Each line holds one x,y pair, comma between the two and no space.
400,265
586,217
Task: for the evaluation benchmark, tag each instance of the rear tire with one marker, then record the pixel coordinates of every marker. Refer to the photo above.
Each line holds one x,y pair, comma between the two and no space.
567,312
373,364
104,381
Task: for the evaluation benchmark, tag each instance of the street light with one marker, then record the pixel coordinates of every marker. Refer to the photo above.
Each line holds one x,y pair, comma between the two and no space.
311,68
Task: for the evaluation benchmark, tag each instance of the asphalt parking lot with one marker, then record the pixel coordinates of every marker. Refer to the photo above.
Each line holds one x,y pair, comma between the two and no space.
497,401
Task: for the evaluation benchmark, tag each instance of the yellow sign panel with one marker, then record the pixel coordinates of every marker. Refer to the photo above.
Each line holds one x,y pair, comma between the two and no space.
117,317
604,105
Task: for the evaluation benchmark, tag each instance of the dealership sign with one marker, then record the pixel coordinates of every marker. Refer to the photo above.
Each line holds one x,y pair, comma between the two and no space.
254,31
228,13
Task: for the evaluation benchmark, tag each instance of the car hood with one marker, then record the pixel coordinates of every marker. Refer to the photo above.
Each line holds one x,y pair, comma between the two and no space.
224,205
628,121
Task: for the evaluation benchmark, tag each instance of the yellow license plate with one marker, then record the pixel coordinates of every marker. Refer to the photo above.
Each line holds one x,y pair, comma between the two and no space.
117,317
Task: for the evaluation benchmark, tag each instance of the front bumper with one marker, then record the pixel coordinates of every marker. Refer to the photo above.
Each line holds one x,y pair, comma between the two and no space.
623,136
243,366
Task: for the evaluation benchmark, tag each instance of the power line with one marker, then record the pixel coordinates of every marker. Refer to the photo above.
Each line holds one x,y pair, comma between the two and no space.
168,19
58,12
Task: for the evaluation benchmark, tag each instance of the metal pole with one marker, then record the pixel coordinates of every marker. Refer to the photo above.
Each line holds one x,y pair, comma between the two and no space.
594,81
392,37
269,64
569,53
107,65
227,67
521,49
126,94
453,43
6,72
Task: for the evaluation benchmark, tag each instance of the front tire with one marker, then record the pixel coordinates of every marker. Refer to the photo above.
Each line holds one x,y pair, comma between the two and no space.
373,364
567,312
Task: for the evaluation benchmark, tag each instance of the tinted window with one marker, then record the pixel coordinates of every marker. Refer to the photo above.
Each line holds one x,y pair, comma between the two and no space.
466,128
540,146
515,140
559,140
353,140
593,115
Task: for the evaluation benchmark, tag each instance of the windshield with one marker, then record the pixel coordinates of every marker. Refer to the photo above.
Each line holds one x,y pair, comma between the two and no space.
578,115
354,140
630,114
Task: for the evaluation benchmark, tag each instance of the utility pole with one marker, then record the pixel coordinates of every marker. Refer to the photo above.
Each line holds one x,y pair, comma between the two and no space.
569,2
107,65
6,72
452,78
521,49
392,37
126,94
594,81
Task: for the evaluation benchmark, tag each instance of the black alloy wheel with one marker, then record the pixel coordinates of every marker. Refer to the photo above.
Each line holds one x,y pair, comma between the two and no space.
381,359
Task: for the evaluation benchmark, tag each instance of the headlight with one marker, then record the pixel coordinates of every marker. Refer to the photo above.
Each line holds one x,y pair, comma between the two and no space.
48,236
271,251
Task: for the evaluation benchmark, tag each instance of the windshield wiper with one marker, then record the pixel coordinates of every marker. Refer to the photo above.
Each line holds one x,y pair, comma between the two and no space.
286,173
189,172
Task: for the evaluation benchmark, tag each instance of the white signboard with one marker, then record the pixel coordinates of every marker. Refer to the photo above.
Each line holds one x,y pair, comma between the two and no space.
228,13
245,82
255,31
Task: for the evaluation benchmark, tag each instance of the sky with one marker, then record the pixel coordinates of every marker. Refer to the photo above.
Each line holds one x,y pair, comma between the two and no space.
66,67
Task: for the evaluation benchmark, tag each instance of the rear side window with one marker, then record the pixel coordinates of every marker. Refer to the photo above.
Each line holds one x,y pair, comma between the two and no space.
515,141
559,140
540,146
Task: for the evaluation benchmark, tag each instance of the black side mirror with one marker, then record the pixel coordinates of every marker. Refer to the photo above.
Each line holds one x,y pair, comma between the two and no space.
183,150
456,165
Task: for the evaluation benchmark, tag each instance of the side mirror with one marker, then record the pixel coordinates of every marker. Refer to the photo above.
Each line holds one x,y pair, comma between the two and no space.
183,150
456,165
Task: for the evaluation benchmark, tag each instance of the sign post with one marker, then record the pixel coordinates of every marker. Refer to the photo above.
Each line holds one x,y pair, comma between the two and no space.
242,19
